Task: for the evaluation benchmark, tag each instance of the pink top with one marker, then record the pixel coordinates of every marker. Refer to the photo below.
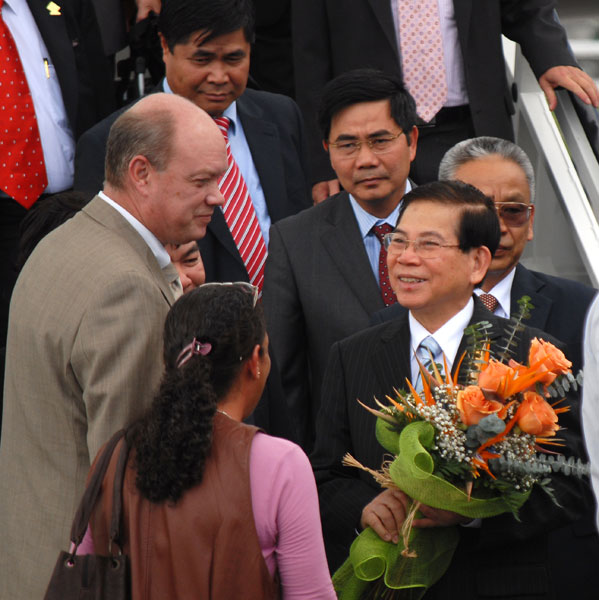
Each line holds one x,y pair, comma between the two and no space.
285,506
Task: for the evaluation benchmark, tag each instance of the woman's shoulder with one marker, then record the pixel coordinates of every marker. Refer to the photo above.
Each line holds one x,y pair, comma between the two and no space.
270,454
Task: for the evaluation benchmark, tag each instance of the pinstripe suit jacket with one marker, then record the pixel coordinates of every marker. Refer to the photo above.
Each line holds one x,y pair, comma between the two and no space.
84,355
503,554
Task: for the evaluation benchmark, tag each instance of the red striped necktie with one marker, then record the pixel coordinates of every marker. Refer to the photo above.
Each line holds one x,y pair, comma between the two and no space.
22,168
387,292
240,214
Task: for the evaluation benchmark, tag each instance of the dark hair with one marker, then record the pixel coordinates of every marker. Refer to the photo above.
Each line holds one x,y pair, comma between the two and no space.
138,132
173,440
45,216
179,19
367,85
478,225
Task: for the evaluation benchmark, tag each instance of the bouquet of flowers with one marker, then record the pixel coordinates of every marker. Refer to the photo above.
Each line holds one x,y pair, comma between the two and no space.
473,449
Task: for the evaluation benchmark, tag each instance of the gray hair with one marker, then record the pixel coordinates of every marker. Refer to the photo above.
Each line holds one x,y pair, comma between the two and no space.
480,147
138,133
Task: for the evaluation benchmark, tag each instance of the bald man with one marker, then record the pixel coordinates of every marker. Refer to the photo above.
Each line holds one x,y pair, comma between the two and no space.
84,344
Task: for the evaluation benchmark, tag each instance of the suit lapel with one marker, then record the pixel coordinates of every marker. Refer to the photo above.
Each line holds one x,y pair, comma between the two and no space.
462,14
263,139
103,213
342,240
526,284
382,12
391,358
220,230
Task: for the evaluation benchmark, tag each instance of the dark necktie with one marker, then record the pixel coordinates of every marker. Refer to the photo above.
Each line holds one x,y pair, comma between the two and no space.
387,293
22,167
240,214
489,301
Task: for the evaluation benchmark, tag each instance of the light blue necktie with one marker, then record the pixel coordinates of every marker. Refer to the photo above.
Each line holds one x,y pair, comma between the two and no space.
427,344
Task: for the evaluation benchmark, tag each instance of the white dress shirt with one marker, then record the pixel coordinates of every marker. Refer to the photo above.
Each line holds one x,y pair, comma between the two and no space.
448,336
58,142
149,238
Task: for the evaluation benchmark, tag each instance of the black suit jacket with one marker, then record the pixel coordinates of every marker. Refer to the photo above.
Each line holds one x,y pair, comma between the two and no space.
74,44
318,289
370,364
331,37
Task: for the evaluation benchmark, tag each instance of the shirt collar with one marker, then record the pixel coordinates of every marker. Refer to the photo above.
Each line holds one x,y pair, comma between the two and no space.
230,112
448,336
366,221
149,238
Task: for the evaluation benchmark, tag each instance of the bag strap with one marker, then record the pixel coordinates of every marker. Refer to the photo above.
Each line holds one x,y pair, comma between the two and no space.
117,496
86,506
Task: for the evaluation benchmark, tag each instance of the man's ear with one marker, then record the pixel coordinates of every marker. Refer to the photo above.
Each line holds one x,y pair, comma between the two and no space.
139,171
413,142
325,145
531,221
481,259
163,45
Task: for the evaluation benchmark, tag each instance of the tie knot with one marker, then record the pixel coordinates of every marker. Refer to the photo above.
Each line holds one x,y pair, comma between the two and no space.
381,230
489,301
429,344
222,122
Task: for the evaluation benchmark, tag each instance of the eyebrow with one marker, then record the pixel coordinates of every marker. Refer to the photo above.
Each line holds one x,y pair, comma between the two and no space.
374,134
421,234
191,251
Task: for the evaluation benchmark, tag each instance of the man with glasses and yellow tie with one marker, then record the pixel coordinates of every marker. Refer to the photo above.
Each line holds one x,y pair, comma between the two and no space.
501,170
326,271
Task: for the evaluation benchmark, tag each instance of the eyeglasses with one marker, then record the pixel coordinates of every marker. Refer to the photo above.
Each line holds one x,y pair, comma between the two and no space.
513,214
397,244
244,285
378,145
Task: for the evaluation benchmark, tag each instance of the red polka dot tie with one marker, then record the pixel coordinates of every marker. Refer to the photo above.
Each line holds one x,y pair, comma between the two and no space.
387,293
22,168
240,214
421,48
489,301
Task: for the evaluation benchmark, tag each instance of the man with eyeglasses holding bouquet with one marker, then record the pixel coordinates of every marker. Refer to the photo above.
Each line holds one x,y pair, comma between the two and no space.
502,170
326,271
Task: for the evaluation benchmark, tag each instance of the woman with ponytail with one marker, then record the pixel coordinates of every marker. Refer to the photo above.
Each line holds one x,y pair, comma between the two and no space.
214,508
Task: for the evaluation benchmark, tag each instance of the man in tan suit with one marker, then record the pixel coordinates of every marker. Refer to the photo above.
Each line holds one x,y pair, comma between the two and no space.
84,349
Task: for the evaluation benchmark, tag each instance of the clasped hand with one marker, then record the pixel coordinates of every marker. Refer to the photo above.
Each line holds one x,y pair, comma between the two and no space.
386,513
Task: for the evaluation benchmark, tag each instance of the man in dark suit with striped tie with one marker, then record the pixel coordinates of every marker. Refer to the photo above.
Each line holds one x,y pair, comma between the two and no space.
440,249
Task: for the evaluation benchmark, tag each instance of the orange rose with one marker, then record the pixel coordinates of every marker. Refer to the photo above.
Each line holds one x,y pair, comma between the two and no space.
494,376
554,361
536,416
473,405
